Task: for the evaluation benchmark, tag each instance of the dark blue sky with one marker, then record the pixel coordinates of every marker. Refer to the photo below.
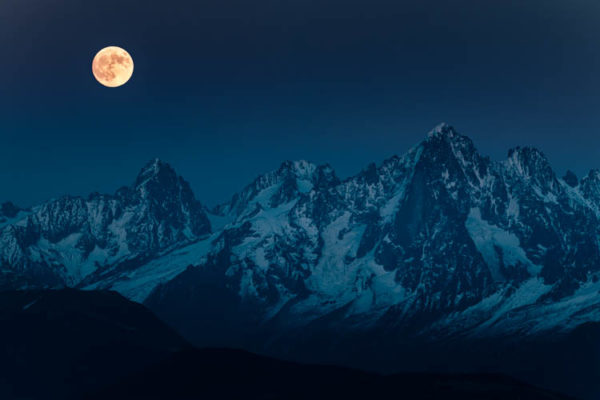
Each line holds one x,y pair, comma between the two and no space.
227,89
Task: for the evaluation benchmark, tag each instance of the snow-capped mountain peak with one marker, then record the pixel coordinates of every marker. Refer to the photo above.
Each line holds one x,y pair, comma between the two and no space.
73,239
278,187
529,162
156,177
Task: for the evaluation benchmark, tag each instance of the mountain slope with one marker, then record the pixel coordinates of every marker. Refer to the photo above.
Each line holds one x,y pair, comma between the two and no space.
60,344
209,373
85,344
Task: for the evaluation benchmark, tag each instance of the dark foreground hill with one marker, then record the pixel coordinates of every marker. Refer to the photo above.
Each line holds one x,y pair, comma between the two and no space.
69,344
58,344
236,374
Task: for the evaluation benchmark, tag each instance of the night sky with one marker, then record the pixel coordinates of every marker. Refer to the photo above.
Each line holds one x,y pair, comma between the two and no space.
227,89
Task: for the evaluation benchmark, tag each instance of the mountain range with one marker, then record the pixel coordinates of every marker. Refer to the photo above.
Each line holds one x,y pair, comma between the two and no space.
439,245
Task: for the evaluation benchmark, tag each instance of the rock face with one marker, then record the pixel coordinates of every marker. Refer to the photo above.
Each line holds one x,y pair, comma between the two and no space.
440,242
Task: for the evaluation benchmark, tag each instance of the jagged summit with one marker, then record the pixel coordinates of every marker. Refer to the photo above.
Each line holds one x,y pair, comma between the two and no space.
527,153
593,174
278,187
442,129
156,170
9,209
155,164
590,187
300,168
101,231
448,152
571,179
531,164
446,136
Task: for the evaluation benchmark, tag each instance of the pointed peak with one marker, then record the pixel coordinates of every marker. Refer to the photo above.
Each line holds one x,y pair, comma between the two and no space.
370,173
8,209
157,169
155,165
325,168
590,185
529,162
300,168
526,154
157,179
446,136
325,176
444,142
570,178
593,174
318,175
442,130
282,185
592,178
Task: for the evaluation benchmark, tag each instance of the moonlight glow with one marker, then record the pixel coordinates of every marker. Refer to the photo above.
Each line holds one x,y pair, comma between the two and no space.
112,66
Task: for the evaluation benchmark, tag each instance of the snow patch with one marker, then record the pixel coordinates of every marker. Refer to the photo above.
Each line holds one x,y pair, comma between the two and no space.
498,247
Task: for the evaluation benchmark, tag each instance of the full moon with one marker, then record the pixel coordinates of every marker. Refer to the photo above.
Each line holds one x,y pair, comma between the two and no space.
112,66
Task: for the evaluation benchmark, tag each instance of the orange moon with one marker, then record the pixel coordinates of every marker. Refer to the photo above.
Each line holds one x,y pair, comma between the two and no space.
112,66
